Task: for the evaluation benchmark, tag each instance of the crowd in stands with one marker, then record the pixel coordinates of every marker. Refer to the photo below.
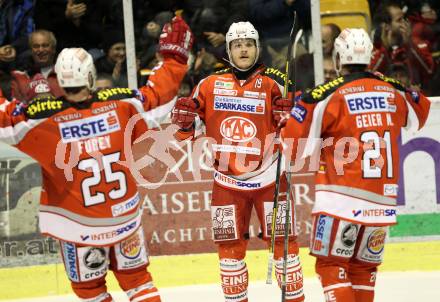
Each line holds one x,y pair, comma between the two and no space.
32,32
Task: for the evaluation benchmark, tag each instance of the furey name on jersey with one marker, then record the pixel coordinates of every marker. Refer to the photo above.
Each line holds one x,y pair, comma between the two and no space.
369,106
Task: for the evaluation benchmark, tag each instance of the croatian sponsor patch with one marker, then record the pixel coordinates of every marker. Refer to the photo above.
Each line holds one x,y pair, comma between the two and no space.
86,128
299,113
238,129
224,223
366,102
94,262
345,239
238,104
320,244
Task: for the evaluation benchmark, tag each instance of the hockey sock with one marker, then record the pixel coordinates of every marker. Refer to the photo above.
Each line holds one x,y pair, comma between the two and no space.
95,291
294,277
138,285
363,279
234,276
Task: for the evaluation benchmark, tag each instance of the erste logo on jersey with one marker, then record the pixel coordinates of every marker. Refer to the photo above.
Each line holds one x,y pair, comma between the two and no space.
89,127
237,104
365,102
238,129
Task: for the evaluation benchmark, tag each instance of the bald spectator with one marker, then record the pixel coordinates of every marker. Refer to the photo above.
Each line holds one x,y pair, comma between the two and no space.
43,49
393,44
329,32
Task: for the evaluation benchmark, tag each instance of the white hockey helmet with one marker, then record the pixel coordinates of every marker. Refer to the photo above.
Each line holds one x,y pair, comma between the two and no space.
242,30
75,68
353,45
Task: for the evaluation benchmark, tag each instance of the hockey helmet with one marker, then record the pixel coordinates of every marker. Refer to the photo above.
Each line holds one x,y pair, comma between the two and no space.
353,45
75,68
242,30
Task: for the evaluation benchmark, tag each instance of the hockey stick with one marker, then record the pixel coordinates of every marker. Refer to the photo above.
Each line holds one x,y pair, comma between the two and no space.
288,177
279,159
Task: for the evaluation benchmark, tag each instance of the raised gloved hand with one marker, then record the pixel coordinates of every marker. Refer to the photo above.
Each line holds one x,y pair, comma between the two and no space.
281,108
176,40
184,113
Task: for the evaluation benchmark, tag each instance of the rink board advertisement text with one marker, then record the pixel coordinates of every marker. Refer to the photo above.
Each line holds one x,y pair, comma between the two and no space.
177,213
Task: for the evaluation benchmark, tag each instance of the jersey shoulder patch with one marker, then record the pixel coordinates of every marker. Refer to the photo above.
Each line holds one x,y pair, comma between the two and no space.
277,75
321,92
223,71
395,83
45,107
115,94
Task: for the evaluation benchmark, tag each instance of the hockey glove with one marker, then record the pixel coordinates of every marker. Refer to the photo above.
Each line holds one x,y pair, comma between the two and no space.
281,108
184,113
176,40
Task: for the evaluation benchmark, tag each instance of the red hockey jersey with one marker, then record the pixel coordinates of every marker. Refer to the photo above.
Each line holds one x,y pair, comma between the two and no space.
359,119
88,193
239,122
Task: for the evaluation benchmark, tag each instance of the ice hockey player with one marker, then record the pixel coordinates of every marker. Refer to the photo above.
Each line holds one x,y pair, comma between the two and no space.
89,199
241,107
359,115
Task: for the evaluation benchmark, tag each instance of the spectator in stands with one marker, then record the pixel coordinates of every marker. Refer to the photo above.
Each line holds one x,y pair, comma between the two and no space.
204,65
104,81
76,23
43,49
114,61
147,46
16,23
210,20
273,19
305,62
422,21
393,44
